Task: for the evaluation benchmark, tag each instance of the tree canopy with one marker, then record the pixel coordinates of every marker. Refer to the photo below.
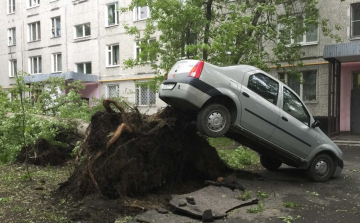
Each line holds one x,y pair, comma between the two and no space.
262,33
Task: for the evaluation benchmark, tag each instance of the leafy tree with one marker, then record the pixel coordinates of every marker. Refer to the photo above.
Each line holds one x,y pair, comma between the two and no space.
223,32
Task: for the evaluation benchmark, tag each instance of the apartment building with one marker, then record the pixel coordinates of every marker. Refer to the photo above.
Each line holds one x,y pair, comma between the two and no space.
76,39
85,40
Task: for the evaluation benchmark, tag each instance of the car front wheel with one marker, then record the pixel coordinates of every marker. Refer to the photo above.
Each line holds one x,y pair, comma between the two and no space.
321,168
270,163
214,120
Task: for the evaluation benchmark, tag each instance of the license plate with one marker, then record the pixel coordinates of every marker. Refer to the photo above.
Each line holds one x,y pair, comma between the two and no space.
168,86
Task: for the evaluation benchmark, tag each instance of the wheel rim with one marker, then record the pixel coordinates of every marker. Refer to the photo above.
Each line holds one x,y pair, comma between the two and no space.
216,121
321,168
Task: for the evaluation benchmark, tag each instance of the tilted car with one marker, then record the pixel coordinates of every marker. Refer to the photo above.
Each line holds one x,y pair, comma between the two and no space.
250,106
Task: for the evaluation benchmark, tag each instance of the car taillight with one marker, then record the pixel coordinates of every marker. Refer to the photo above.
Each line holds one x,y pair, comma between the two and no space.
196,70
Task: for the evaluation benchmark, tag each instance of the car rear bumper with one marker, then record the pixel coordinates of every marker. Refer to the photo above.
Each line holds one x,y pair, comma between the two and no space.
183,96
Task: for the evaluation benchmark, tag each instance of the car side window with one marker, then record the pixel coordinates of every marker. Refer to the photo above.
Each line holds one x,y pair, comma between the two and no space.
264,86
293,106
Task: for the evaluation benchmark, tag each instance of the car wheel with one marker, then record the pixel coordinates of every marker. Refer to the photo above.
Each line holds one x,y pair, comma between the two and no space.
214,120
270,163
321,168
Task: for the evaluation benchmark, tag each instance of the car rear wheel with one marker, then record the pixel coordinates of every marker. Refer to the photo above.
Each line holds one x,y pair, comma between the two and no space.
214,120
270,163
321,168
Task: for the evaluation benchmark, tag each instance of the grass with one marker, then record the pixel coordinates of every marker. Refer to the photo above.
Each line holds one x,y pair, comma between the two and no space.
245,195
262,195
237,158
255,210
20,202
220,142
291,205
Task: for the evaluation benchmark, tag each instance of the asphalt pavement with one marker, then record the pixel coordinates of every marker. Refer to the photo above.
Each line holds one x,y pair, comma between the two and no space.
287,195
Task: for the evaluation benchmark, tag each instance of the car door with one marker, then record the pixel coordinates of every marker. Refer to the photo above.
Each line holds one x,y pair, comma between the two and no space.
293,132
259,97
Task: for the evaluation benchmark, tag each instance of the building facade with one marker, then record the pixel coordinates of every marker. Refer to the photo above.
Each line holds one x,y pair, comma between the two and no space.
70,38
75,37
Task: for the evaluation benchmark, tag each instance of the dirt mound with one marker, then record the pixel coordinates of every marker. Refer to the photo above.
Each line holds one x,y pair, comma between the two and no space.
44,153
130,154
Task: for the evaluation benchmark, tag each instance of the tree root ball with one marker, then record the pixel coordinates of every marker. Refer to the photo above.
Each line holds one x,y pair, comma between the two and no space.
159,151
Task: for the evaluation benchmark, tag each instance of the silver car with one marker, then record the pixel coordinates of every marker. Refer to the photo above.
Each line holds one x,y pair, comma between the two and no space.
248,105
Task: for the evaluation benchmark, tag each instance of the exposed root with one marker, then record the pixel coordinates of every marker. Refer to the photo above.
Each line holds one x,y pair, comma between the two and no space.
122,128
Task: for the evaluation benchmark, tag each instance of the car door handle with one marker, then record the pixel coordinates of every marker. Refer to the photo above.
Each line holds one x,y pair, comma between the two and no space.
284,118
246,94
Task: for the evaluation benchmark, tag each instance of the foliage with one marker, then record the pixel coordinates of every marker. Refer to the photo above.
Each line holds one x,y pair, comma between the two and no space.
289,219
220,142
255,210
53,97
291,205
224,32
262,195
245,195
124,219
239,157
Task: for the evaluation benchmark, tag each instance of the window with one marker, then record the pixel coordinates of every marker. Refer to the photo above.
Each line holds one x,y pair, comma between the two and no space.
310,36
83,68
12,68
148,57
305,87
10,6
112,14
144,95
141,13
264,86
12,36
293,106
82,30
33,3
56,62
34,31
35,65
113,91
112,56
55,27
355,20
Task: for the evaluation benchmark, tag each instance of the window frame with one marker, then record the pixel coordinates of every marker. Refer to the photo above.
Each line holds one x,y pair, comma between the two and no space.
83,31
12,68
108,90
137,46
53,23
54,63
10,7
84,67
116,13
137,13
301,95
12,33
352,21
275,102
37,29
301,102
138,90
31,65
303,42
36,3
112,55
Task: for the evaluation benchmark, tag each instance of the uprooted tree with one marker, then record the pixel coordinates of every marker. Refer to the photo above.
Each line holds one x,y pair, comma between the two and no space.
127,154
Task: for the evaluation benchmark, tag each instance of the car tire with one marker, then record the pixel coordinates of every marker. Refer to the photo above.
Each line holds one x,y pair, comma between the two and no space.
214,120
321,168
270,163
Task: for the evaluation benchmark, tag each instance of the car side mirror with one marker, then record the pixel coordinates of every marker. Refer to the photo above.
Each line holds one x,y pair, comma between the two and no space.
315,124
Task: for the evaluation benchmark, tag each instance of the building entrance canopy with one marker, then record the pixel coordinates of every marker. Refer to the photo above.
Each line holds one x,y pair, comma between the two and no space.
70,75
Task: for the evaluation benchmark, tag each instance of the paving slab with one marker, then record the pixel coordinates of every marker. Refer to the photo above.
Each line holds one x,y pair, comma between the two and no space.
219,200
